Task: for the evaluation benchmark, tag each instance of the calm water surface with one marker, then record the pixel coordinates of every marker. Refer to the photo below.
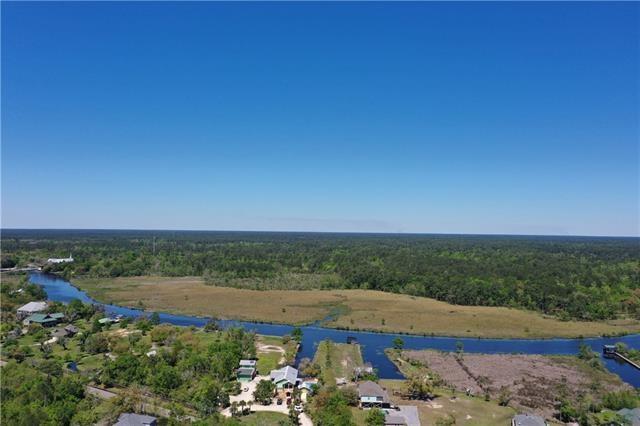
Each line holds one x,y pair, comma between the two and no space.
373,344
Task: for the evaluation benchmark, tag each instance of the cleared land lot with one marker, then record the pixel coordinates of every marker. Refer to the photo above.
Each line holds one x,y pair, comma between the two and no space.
533,381
358,309
337,360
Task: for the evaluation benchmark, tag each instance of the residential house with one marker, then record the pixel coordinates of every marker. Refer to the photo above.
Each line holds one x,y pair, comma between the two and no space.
404,415
285,377
251,363
131,419
372,394
30,309
45,320
527,420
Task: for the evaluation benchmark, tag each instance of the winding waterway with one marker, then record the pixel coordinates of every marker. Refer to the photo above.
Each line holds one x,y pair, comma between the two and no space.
373,344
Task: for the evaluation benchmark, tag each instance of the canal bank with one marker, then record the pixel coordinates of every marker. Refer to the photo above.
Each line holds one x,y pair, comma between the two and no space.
373,344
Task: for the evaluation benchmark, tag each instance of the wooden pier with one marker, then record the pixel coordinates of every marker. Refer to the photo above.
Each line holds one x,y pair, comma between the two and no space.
624,358
609,351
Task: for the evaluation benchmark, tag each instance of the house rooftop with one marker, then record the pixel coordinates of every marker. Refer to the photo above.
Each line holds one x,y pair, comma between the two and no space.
369,388
44,318
404,415
131,419
528,420
287,373
33,307
247,363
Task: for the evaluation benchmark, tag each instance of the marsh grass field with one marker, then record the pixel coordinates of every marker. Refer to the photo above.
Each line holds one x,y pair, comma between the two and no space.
356,309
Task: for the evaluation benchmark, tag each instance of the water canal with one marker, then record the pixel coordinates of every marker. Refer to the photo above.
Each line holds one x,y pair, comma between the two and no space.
373,344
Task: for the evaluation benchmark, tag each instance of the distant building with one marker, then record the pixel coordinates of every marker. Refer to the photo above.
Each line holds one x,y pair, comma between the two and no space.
286,377
528,420
251,363
372,394
72,330
30,309
60,259
45,320
364,369
131,419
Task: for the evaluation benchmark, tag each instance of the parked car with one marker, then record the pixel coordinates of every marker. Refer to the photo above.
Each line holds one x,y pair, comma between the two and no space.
298,408
279,401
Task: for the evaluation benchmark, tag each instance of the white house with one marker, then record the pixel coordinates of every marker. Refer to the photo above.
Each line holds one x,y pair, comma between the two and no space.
30,309
60,259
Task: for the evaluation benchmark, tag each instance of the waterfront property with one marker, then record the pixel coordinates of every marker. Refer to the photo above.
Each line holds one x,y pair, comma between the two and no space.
372,394
285,377
30,309
45,320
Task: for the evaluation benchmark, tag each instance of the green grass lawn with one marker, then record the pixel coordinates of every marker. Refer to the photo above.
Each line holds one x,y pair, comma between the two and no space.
466,410
263,418
267,360
337,359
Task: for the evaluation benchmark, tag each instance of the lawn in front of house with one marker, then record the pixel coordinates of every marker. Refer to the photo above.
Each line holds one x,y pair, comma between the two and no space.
263,418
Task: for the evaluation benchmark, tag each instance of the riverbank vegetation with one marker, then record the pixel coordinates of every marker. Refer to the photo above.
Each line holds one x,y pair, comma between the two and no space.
568,277
347,309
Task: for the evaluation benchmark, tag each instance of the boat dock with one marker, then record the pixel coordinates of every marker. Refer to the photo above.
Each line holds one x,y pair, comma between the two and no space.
609,351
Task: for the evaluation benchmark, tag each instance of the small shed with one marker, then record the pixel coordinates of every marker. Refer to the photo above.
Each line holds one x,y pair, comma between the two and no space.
245,374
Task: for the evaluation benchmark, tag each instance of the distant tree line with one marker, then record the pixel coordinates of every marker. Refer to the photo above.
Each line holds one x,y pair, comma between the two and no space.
570,277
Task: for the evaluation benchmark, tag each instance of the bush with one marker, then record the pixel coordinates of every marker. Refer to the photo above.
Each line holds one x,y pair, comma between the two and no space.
621,399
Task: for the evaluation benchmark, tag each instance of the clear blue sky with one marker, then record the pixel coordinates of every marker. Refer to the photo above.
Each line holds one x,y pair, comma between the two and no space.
407,117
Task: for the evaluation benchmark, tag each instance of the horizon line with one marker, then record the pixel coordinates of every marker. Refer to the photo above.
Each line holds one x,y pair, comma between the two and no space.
2,229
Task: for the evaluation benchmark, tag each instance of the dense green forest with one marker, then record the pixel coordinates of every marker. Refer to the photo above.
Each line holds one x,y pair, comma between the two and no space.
572,277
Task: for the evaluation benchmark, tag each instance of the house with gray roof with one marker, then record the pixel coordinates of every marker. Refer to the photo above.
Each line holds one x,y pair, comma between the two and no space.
285,377
403,415
132,419
372,394
528,420
30,309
